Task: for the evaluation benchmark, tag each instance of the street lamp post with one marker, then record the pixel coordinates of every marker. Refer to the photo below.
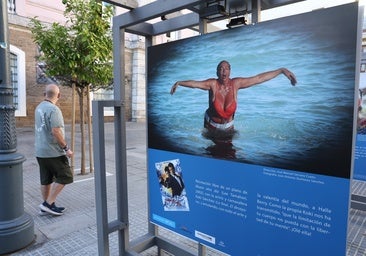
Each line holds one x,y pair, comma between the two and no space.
16,226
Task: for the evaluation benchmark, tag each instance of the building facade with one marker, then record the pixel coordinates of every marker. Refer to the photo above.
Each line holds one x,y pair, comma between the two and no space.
27,77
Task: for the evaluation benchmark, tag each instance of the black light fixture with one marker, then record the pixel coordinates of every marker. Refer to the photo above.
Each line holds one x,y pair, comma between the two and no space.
213,11
165,18
236,22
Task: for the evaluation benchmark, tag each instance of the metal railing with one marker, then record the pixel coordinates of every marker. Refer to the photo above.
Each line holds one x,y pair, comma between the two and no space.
11,6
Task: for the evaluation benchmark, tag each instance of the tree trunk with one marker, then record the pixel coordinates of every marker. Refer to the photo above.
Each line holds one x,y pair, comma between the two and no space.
73,127
91,160
82,130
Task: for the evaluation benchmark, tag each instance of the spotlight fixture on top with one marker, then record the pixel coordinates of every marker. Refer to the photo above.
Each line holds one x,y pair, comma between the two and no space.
213,12
236,22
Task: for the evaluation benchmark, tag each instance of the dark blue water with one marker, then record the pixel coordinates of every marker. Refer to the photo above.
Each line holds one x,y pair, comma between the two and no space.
307,126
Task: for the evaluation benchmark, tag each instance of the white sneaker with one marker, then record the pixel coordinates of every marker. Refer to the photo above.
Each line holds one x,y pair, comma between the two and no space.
42,213
50,208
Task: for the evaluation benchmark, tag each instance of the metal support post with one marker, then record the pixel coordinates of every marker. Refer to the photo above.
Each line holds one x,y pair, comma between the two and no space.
256,11
16,226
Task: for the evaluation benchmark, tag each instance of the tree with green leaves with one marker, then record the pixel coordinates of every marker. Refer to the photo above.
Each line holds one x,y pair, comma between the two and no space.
78,53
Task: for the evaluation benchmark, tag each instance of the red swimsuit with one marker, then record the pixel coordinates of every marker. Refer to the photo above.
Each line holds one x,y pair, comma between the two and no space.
227,112
222,111
216,109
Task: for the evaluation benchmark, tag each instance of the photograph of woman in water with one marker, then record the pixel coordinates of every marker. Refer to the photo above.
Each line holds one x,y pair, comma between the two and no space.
195,94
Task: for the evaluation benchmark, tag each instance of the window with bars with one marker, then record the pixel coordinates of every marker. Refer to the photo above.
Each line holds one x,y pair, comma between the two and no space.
14,78
17,79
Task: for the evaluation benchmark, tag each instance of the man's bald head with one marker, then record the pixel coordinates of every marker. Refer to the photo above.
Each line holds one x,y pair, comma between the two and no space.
52,92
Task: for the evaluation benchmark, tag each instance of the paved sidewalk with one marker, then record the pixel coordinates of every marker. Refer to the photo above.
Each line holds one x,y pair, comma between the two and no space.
75,232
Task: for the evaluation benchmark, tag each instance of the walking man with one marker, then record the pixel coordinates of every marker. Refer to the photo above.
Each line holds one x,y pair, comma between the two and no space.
51,150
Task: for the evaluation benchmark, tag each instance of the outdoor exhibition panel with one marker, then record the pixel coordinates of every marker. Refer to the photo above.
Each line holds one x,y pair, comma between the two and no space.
281,185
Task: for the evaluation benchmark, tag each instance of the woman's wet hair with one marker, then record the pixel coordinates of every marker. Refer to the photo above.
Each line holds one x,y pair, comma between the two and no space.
219,65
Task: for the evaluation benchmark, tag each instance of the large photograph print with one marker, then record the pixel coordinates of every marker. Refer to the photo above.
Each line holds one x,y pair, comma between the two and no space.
250,134
299,117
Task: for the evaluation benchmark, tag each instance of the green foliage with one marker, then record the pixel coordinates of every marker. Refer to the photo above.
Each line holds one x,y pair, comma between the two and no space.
79,51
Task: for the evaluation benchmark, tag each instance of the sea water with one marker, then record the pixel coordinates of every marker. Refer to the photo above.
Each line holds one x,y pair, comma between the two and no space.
276,123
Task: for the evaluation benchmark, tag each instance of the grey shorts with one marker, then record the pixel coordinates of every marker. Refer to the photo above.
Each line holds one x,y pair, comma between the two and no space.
55,169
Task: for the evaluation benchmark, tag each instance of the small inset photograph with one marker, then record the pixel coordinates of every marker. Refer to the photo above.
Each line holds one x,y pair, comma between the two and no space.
172,188
361,114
